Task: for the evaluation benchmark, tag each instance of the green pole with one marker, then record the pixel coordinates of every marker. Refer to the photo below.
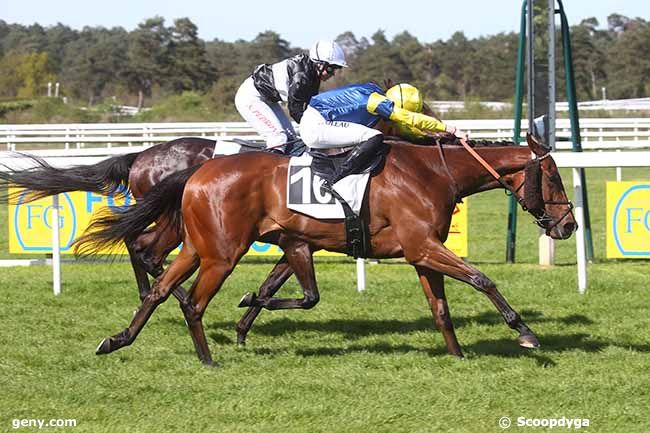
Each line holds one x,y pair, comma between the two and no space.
575,123
511,237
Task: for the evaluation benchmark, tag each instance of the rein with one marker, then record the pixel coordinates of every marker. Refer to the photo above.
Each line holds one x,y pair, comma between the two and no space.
496,175
454,186
542,219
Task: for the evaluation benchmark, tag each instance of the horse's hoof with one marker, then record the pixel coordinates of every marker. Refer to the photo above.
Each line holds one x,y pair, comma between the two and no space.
210,364
241,342
104,347
529,341
247,300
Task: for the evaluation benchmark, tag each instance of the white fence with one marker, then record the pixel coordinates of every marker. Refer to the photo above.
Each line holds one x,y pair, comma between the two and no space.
601,104
596,133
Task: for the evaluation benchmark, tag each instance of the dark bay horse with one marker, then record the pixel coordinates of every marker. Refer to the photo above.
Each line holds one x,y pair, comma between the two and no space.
134,172
227,203
138,173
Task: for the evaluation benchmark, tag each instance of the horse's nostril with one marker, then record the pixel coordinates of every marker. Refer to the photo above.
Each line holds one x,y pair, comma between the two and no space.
570,227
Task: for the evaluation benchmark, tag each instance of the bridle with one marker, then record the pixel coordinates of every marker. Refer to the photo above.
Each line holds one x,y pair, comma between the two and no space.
542,218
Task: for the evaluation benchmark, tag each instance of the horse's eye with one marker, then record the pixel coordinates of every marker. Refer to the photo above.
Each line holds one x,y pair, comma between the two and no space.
555,178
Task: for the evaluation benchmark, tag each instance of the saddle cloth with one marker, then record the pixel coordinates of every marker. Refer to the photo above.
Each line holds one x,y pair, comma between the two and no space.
304,191
226,147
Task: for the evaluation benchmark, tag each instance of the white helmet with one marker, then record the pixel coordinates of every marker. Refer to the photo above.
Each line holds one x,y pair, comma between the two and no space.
328,52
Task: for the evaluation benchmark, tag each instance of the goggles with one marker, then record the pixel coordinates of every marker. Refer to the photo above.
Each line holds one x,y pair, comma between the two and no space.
331,69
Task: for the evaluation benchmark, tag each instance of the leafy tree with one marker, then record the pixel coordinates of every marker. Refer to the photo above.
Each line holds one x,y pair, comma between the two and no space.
34,73
417,59
493,64
94,61
57,39
269,47
221,98
159,61
588,62
381,61
147,55
458,51
190,67
629,63
10,81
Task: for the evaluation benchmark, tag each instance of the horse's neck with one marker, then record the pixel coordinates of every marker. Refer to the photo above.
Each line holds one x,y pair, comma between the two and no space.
471,177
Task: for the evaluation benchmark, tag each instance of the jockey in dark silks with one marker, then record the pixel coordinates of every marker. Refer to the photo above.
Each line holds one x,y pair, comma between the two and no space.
294,81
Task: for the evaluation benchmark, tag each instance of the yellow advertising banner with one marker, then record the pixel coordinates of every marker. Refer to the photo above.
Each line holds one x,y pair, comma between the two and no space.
30,224
628,220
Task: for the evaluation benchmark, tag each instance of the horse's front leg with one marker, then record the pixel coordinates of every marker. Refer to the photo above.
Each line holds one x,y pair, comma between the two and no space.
433,285
434,255
278,276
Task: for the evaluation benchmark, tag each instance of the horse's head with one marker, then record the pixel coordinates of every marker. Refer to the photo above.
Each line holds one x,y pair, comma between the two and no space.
544,195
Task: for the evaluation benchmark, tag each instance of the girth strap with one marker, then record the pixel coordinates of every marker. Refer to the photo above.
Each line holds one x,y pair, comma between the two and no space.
357,235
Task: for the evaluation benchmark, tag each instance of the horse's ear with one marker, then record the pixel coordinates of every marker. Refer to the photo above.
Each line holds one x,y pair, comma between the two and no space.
535,146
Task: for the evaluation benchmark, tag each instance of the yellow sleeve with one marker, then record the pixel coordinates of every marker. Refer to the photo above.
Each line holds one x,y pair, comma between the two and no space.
417,120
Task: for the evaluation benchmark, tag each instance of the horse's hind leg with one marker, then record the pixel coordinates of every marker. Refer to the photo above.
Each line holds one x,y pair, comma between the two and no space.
433,285
139,269
436,256
216,266
180,270
212,274
278,276
299,257
148,252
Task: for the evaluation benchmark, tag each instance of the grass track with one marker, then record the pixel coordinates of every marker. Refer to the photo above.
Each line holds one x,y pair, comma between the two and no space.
355,363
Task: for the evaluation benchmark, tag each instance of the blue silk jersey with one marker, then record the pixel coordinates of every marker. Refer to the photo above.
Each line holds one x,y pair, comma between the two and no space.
350,104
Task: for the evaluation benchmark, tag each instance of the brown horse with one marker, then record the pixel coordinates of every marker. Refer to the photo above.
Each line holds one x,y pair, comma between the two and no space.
230,202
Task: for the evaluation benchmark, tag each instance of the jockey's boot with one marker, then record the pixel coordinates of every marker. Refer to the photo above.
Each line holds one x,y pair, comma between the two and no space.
359,158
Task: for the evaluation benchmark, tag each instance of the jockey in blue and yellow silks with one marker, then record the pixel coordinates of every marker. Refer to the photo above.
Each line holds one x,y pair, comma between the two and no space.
345,116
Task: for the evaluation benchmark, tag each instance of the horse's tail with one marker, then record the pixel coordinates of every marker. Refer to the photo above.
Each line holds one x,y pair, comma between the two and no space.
161,203
106,177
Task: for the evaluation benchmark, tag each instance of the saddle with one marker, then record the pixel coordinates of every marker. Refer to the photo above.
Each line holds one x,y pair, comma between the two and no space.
327,161
294,147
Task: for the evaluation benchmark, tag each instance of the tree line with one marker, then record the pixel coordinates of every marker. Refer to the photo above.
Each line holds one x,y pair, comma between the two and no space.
155,60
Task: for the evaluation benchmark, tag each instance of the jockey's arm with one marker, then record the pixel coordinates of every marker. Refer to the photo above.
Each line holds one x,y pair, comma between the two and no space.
416,122
299,94
385,108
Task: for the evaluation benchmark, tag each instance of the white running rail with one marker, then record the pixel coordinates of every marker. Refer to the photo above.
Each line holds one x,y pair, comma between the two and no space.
604,134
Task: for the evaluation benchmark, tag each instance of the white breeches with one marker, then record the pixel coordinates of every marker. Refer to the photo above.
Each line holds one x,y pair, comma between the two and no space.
319,133
267,118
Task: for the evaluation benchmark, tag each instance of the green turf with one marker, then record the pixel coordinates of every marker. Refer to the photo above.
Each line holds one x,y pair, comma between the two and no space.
366,362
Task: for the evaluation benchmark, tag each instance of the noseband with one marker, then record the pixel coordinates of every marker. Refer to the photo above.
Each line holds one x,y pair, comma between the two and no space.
542,218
